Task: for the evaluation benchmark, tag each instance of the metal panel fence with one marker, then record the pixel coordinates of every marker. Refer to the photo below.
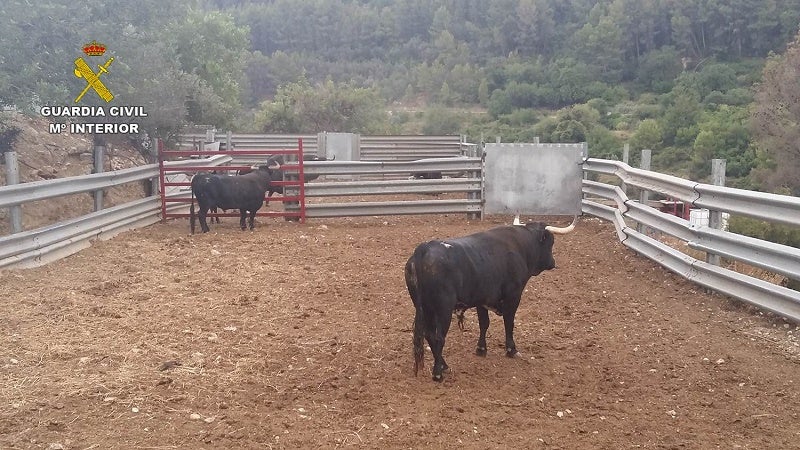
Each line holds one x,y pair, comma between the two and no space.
373,148
471,187
769,256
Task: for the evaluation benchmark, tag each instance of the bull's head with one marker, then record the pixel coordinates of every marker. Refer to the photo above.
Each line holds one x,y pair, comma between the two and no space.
550,228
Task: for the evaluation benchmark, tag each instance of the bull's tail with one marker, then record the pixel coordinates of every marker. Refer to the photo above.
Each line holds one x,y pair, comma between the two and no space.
419,347
419,317
191,214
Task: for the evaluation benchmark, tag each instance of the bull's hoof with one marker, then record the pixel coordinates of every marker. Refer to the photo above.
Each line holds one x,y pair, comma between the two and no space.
512,352
480,351
438,378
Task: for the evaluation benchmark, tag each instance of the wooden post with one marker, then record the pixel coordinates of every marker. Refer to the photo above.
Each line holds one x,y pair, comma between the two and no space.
12,177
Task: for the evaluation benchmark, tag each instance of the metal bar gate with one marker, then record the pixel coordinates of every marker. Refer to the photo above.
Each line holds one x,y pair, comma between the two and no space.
293,178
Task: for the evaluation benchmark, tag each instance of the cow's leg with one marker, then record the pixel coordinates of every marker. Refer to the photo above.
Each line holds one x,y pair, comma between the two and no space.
269,194
509,312
483,322
202,216
436,339
242,219
252,219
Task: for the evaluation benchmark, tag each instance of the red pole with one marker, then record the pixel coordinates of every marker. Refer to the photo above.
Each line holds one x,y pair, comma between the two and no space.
302,178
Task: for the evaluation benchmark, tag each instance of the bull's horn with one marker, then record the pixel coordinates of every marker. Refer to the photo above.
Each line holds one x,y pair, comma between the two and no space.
564,230
275,167
516,220
253,167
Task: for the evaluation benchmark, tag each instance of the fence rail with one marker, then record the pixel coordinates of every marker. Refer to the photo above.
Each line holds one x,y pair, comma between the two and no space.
760,205
18,194
372,148
776,258
43,245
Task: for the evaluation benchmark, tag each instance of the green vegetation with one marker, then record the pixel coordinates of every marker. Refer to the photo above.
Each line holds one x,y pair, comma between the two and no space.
691,80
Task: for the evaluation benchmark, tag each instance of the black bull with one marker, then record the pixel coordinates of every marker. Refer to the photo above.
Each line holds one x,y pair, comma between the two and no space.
486,270
242,192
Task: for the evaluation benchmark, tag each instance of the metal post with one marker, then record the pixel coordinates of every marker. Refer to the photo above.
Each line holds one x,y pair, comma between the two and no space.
626,153
99,167
292,190
474,195
12,177
718,167
497,139
210,137
644,195
229,141
161,179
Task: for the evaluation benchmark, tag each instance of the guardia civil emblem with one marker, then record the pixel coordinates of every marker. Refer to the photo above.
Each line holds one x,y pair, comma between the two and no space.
83,70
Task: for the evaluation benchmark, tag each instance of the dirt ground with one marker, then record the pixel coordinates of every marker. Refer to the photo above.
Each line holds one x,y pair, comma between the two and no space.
299,336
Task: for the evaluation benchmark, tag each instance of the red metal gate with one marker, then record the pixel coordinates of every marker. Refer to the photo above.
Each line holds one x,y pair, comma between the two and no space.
293,176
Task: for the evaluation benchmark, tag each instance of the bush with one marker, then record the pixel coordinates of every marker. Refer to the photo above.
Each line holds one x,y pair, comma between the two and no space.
767,231
8,135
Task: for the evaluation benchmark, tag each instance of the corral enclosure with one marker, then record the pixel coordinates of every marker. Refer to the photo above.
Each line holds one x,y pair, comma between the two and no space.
299,336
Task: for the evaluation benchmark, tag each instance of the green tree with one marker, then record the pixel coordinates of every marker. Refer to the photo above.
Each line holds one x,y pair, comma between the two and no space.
600,46
210,46
682,112
648,135
658,69
723,134
776,121
302,108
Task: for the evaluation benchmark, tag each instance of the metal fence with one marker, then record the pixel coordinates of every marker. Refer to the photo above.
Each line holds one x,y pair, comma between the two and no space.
46,244
777,258
471,186
373,148
40,246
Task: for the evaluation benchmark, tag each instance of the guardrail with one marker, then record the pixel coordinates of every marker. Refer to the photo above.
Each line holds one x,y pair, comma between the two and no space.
777,258
43,245
760,205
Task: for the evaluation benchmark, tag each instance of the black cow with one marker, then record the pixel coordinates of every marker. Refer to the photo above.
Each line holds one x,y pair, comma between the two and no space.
486,270
242,192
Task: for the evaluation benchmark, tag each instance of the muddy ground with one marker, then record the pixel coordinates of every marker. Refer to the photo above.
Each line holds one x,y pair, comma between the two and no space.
299,336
